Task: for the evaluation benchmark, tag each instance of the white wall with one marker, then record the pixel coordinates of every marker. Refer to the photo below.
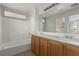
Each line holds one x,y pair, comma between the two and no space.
32,24
50,25
34,21
0,26
14,29
37,20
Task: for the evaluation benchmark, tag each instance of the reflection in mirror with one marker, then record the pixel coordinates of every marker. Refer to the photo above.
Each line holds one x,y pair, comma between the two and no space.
60,25
60,21
74,23
44,24
48,24
53,25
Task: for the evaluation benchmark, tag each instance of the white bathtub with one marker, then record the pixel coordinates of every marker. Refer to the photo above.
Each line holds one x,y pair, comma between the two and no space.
13,44
14,47
19,44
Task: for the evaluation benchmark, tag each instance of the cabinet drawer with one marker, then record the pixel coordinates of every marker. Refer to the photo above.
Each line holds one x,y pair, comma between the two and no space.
35,37
55,42
43,40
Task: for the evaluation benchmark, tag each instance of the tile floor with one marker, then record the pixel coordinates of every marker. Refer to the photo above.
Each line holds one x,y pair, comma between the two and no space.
26,53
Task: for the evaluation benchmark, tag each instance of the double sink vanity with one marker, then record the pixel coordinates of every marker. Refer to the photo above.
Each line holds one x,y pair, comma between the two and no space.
54,45
59,34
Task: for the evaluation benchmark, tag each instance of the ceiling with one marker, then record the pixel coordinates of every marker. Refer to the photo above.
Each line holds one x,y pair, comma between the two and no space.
25,7
29,7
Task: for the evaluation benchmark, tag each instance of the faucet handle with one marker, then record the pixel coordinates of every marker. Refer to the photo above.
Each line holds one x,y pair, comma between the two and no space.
69,36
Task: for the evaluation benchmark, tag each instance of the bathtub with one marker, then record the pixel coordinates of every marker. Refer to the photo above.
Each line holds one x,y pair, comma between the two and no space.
13,48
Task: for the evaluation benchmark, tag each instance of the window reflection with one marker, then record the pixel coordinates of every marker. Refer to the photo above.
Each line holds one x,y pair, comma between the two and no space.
74,23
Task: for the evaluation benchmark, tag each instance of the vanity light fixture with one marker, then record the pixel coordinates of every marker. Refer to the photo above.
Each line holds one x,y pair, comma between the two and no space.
44,20
52,5
74,4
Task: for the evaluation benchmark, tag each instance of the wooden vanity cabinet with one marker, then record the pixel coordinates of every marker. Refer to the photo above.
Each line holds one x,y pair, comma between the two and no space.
55,48
71,50
43,46
47,47
35,44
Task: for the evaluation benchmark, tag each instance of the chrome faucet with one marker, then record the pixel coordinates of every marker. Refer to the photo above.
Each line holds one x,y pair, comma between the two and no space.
70,37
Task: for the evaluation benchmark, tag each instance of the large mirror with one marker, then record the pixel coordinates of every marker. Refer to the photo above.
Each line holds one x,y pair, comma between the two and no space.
61,22
69,24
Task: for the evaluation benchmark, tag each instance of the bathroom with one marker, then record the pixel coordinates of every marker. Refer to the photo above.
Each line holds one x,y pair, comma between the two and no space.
24,26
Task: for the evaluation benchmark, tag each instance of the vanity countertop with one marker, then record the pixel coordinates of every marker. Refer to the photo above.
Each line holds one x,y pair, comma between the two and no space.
61,39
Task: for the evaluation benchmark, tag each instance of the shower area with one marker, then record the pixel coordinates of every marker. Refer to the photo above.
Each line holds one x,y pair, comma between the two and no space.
14,32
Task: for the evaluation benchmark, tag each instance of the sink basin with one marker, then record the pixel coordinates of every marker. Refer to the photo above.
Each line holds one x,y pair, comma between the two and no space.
70,40
61,38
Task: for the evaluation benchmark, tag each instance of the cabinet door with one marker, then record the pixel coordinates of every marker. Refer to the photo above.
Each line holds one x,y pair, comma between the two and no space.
71,50
43,47
55,48
35,44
